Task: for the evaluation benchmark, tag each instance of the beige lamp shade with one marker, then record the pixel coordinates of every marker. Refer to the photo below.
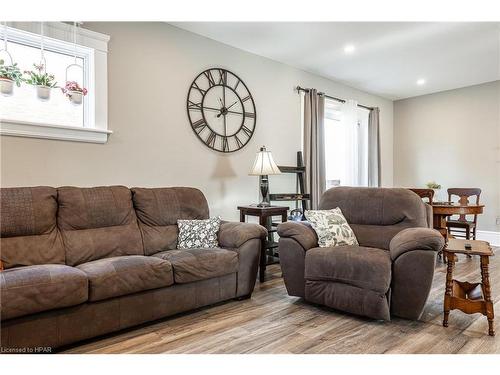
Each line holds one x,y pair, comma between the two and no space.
264,164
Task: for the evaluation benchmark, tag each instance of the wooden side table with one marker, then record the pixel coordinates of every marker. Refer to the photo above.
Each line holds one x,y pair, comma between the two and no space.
265,215
468,297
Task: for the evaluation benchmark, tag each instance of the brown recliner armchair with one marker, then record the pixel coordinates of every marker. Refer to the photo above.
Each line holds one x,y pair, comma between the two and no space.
389,273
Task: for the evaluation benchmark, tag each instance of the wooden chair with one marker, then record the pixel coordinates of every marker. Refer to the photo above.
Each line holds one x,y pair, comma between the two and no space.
462,227
424,193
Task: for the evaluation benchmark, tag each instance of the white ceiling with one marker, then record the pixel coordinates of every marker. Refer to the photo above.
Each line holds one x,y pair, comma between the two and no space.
389,57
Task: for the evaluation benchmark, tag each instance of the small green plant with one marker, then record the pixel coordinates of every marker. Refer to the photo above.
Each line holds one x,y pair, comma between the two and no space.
433,185
39,77
11,72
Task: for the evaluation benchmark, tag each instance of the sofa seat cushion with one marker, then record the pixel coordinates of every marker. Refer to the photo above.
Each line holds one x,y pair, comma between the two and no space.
200,264
363,267
32,289
118,276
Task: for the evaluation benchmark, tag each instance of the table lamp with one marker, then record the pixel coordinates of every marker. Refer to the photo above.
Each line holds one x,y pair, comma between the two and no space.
264,165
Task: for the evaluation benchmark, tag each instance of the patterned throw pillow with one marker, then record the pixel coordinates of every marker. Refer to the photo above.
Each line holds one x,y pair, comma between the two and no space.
331,227
198,234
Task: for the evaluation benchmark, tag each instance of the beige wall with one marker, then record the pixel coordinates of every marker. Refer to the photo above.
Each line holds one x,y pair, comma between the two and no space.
151,66
452,137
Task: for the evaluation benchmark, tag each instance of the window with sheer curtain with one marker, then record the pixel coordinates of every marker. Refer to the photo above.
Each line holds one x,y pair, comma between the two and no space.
346,144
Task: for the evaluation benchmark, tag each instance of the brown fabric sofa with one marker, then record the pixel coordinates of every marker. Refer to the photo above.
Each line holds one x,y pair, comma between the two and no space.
81,262
391,270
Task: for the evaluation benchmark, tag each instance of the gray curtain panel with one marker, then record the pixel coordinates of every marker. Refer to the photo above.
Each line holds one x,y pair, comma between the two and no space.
314,145
374,148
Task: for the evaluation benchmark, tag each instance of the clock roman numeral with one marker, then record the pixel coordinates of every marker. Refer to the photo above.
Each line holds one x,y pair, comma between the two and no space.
196,87
238,141
236,86
225,144
210,77
193,105
223,77
250,114
245,98
199,125
247,131
210,141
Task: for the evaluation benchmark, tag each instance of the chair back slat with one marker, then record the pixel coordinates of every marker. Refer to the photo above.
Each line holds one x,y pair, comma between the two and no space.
463,195
424,193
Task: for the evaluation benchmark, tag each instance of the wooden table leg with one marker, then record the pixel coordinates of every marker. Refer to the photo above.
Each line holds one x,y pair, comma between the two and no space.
439,223
485,278
450,258
263,251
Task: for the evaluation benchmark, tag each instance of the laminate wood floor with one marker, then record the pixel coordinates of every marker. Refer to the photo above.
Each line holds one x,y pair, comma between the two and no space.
273,322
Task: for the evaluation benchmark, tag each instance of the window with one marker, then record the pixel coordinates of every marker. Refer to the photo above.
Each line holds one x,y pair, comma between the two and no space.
346,144
23,114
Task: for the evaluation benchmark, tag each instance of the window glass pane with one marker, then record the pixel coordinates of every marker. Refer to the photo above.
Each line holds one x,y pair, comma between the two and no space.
24,105
346,146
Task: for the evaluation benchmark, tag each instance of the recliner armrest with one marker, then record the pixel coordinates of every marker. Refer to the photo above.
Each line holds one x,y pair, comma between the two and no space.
300,231
415,239
234,234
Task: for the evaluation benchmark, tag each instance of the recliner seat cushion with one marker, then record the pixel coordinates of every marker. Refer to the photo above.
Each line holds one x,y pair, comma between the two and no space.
118,276
363,267
32,289
200,264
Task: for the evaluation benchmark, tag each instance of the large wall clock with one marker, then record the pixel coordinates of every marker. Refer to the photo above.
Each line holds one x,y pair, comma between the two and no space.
221,110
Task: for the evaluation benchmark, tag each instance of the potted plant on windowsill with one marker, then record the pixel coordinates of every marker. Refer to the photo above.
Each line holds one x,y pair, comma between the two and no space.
9,74
74,92
43,81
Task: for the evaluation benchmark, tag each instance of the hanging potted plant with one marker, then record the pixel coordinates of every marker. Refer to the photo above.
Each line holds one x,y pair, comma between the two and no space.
9,74
43,81
74,92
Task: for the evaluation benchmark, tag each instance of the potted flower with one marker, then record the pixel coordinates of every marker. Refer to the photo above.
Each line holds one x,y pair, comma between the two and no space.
436,187
41,80
9,74
74,92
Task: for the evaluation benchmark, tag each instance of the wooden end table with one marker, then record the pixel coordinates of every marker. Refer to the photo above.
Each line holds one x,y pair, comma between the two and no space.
265,215
470,298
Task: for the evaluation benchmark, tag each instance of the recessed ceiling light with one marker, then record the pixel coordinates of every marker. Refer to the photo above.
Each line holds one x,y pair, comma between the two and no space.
421,82
349,48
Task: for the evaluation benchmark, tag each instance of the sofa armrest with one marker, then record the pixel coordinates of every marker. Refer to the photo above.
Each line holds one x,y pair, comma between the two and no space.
246,239
415,239
233,234
300,231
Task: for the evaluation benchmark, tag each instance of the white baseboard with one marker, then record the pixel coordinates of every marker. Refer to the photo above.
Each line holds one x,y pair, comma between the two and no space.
492,237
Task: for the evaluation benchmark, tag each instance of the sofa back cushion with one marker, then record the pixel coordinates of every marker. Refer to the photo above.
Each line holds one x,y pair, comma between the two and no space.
97,223
376,214
29,234
158,210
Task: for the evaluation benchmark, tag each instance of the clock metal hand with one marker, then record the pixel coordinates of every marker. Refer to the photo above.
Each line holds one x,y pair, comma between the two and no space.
232,104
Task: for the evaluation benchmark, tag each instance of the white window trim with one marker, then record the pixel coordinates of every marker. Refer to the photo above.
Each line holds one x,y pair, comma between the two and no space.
96,128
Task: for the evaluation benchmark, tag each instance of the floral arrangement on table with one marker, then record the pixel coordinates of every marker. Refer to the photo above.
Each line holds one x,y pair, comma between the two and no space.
74,92
38,77
436,187
433,185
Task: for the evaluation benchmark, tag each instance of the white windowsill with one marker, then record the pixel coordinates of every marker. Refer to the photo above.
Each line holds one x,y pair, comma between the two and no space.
59,132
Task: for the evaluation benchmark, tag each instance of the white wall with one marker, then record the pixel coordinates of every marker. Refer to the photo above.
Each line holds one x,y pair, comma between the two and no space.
151,66
452,137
